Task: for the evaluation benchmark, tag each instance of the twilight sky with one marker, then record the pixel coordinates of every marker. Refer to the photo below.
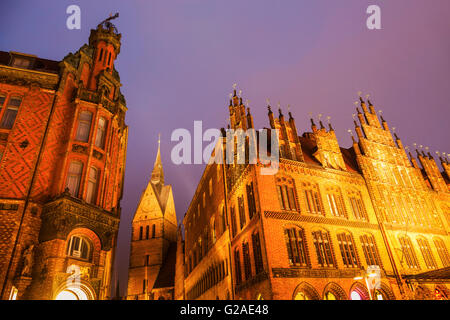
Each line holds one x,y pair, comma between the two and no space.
180,58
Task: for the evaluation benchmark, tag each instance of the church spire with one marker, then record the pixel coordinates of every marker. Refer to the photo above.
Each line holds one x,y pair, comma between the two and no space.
158,173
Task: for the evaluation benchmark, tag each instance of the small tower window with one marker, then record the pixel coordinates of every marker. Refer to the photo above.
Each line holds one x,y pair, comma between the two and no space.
141,231
74,177
153,231
79,247
101,55
91,193
100,136
84,126
147,232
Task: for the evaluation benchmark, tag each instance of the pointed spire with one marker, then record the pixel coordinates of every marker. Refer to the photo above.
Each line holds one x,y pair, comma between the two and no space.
270,110
158,173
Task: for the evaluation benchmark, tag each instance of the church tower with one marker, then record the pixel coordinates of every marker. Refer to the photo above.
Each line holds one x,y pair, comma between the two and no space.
153,240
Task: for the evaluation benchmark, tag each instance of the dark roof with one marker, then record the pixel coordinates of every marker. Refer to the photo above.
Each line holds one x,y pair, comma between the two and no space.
38,64
166,275
441,274
349,156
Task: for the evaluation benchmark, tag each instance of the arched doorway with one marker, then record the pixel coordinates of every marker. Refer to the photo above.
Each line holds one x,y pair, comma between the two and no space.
334,292
359,292
305,291
75,292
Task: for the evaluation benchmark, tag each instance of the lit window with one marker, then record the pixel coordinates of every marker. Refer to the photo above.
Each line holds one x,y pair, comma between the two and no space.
79,247
295,243
426,253
370,250
442,251
13,294
101,133
336,203
9,116
355,296
312,197
74,177
357,204
348,251
91,193
408,254
323,248
21,63
84,126
287,195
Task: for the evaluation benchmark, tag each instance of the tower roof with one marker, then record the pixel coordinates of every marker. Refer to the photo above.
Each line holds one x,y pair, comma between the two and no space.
158,173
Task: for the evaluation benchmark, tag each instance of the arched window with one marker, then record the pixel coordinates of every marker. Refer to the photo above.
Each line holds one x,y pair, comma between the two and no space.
247,262
100,56
348,251
74,177
9,116
296,246
241,207
408,254
237,266
336,202
141,231
147,232
153,231
79,247
426,253
93,178
251,203
323,248
84,126
442,251
370,250
257,255
101,133
287,194
312,198
359,211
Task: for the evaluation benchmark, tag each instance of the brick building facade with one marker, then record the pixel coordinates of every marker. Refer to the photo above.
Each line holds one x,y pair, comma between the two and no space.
63,144
325,224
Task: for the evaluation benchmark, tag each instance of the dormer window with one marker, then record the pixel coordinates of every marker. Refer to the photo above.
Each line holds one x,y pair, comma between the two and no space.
21,62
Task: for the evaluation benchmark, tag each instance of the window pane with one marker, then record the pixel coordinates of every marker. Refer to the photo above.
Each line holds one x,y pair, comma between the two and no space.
91,193
84,126
101,130
9,117
74,177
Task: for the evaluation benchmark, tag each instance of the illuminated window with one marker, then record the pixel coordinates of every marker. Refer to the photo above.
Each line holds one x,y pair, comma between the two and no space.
210,186
348,251
247,263
296,246
91,193
442,251
312,197
79,247
241,207
19,62
257,255
323,248
286,194
355,296
251,200
237,267
13,293
408,254
84,126
426,253
9,116
336,202
370,250
101,133
357,204
74,177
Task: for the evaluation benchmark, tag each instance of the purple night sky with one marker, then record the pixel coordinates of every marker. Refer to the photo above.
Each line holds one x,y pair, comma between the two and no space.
180,58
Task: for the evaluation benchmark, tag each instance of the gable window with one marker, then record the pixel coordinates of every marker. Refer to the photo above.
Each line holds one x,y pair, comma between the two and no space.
296,246
370,250
101,133
251,200
442,251
9,115
312,197
79,247
74,177
336,202
323,249
84,126
286,194
408,254
426,253
348,251
91,193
